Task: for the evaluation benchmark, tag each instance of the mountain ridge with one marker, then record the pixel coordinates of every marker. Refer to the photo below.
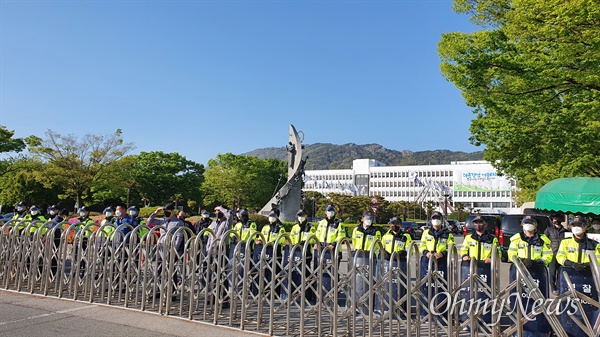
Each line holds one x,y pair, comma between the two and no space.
326,156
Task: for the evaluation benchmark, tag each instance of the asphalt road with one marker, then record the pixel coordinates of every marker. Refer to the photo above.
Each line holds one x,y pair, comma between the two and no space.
34,315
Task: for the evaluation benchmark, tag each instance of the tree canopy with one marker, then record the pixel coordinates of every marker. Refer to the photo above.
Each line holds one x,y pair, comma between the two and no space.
532,76
242,181
164,177
74,161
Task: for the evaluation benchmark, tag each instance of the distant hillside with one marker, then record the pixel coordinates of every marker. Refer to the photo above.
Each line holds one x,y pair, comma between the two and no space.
330,156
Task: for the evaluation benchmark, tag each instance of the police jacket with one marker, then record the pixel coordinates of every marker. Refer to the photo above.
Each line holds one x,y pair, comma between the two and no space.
576,250
330,231
300,232
535,248
436,241
272,231
245,229
555,235
395,243
479,247
363,238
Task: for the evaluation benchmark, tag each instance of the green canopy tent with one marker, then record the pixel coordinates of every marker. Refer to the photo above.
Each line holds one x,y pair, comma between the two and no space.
576,195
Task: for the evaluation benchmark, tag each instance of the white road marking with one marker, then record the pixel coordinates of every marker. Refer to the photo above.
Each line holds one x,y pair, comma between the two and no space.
48,314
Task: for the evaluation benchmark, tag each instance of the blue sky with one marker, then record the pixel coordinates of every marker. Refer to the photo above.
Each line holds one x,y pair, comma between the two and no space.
207,77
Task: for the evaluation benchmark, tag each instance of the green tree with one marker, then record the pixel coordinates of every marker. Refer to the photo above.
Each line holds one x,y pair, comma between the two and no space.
26,181
75,161
242,180
532,77
312,201
9,144
117,182
166,177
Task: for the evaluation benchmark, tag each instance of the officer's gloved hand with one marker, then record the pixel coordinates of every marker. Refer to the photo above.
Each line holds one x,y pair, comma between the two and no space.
527,262
579,267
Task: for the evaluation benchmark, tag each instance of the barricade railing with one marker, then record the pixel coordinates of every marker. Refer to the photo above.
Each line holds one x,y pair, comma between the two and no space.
277,288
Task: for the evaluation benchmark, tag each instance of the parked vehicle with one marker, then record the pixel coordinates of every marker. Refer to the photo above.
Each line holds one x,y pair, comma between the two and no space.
493,223
453,226
7,217
511,224
412,228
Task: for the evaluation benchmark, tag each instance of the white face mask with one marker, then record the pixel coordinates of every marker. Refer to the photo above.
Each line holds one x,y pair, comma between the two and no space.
205,216
19,208
368,222
436,222
52,212
272,219
301,218
577,230
528,227
107,214
118,213
596,227
132,213
34,212
81,213
330,214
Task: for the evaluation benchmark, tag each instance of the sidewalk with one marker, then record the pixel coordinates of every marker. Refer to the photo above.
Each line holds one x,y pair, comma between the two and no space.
23,314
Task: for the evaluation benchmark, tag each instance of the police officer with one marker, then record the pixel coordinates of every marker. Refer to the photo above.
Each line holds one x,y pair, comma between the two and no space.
134,213
434,243
555,233
84,220
54,214
108,216
35,215
331,229
531,247
478,245
572,251
573,254
300,232
137,220
395,240
329,232
435,240
270,233
363,237
21,212
244,227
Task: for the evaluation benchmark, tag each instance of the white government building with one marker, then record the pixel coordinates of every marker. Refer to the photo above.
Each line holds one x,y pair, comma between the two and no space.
475,184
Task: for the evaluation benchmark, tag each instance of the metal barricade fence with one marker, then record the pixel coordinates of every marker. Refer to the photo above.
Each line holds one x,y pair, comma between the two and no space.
277,288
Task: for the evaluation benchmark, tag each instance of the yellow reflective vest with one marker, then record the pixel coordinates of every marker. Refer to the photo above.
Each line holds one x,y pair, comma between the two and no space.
300,233
245,232
271,232
395,243
363,238
535,248
479,247
330,231
430,242
576,250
